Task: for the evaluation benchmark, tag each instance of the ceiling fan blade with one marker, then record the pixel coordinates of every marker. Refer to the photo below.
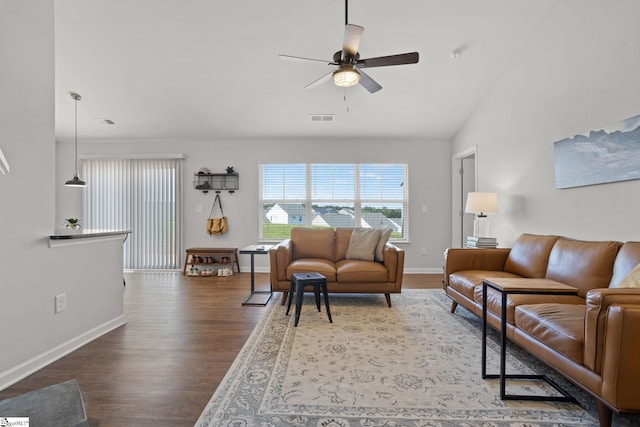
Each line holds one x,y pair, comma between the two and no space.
320,81
300,59
368,83
352,37
383,61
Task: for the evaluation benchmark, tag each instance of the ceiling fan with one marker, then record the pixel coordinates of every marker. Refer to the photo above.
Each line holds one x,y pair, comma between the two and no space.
349,72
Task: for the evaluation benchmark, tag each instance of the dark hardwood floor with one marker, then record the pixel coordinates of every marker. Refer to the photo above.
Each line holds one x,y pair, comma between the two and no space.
163,366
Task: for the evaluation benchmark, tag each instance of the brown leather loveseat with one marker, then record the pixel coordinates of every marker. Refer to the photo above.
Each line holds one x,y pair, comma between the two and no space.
324,250
592,338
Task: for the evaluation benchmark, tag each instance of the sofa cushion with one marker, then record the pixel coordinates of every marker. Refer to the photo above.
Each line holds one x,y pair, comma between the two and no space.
558,326
581,264
467,281
313,243
627,259
494,301
362,245
357,271
529,255
313,265
384,237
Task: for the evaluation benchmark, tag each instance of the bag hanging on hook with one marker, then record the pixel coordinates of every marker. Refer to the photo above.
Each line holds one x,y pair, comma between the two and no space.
217,226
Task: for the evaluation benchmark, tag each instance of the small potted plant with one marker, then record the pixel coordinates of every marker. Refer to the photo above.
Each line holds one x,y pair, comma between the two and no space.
73,223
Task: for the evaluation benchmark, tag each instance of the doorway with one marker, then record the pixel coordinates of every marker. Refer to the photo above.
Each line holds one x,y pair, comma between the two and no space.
463,180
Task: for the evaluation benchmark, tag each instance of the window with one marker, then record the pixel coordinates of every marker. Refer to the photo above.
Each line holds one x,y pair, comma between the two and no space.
332,195
141,195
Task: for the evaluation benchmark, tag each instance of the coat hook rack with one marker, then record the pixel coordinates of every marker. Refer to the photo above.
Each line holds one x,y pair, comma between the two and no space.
218,182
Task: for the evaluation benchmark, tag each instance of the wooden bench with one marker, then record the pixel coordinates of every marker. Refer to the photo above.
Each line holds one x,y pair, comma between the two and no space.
191,253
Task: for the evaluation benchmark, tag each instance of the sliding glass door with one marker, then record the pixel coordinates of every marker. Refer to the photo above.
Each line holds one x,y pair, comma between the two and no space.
141,195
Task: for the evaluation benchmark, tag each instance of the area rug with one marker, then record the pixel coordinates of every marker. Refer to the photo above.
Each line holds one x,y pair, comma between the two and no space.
412,364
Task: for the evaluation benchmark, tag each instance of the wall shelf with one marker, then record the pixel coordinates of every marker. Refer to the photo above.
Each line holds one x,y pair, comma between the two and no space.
217,182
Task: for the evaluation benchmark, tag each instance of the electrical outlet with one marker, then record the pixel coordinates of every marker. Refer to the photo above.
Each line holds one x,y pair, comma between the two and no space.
199,208
61,302
424,208
423,250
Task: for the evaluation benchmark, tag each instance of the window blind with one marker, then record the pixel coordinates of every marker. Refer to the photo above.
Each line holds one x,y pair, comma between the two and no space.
141,195
332,195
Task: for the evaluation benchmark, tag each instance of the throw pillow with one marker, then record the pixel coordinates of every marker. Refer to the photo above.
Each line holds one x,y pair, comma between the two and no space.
632,280
384,236
362,244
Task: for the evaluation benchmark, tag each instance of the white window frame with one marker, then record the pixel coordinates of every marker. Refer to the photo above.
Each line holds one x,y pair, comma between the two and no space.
357,201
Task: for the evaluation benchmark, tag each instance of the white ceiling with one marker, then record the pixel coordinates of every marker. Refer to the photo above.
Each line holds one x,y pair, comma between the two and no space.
208,69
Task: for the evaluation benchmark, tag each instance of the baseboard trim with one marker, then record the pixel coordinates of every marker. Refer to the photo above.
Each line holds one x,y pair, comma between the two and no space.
23,370
433,270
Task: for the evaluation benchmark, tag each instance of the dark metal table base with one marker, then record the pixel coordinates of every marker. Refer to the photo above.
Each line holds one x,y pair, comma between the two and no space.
566,397
503,376
256,298
263,298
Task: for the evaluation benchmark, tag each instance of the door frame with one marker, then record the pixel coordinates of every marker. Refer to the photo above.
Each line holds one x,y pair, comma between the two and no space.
461,184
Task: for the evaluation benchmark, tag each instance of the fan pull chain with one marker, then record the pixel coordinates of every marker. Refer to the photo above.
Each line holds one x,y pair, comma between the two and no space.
345,99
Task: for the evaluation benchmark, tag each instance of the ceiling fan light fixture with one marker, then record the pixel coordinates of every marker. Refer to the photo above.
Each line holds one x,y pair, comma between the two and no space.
346,76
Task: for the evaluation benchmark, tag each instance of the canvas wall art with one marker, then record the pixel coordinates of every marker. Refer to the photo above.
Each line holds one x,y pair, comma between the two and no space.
607,155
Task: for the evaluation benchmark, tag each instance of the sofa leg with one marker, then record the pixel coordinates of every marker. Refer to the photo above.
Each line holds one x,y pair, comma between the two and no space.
454,305
284,298
604,414
388,297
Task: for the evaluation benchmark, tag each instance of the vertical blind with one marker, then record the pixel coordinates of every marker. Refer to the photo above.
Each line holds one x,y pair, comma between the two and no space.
141,195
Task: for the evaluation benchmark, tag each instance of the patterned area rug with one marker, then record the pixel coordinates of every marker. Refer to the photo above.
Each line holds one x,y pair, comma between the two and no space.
414,364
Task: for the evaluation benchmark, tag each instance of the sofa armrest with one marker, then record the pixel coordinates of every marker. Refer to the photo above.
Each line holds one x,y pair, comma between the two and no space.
461,259
620,369
393,260
280,257
598,302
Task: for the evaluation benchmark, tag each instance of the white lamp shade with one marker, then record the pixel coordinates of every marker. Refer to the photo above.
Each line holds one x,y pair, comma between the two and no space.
481,203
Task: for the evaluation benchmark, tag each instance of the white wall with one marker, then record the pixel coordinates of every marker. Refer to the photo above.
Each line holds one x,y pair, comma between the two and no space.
429,175
575,75
31,273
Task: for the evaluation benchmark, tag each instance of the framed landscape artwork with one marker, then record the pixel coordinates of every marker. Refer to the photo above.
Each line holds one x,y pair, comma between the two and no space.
607,155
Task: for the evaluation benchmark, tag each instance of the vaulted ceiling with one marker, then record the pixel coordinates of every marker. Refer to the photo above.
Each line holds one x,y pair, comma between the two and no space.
209,70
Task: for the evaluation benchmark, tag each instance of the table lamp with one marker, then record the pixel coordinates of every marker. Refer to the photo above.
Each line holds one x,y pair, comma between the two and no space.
481,204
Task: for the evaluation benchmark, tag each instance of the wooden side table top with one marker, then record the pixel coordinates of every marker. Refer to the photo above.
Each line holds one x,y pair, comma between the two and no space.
523,284
256,249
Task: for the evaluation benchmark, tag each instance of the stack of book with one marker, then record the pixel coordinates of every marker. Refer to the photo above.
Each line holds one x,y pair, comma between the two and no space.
481,242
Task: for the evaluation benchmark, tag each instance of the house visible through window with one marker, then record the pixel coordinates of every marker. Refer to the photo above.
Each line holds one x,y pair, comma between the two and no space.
141,195
332,195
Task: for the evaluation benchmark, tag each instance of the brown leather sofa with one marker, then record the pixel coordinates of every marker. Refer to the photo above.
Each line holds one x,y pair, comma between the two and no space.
324,251
592,338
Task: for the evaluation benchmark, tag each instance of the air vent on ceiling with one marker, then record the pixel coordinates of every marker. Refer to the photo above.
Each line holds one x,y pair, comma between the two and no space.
322,117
